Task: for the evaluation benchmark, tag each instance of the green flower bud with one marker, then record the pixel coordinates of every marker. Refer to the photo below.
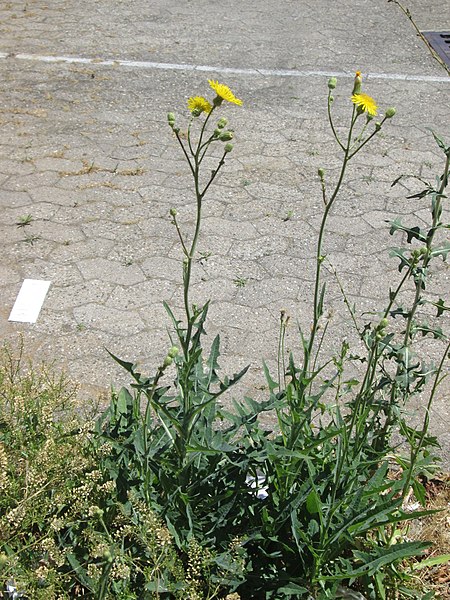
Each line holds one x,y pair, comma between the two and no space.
173,352
167,361
415,253
217,132
390,112
228,147
384,323
171,119
226,136
321,172
377,126
108,556
423,251
222,122
357,83
331,98
173,212
332,83
176,129
96,512
3,560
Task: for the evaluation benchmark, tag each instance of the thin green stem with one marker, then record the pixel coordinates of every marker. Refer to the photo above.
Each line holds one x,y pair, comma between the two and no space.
376,130
319,257
330,119
426,421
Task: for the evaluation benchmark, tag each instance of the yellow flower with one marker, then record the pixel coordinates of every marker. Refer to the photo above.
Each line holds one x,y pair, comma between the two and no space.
223,92
365,103
199,104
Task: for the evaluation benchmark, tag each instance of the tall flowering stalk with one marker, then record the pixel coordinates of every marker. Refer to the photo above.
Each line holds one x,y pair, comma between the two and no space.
364,110
195,152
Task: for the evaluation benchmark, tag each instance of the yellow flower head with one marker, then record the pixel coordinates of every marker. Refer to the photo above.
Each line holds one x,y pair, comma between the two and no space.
199,104
223,93
365,103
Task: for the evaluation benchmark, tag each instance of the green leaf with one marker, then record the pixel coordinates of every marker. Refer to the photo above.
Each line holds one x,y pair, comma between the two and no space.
400,253
442,250
440,142
292,589
431,562
441,307
80,571
388,556
313,504
124,399
411,232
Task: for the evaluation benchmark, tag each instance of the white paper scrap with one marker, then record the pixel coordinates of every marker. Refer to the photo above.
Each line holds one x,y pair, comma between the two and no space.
29,302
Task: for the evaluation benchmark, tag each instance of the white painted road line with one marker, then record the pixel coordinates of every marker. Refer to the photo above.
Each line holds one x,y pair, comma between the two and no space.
141,64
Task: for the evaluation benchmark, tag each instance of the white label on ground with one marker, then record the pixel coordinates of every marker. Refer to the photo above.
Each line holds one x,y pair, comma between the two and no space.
29,302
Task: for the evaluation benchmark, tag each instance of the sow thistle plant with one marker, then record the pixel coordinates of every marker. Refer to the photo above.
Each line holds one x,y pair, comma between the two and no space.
179,497
309,510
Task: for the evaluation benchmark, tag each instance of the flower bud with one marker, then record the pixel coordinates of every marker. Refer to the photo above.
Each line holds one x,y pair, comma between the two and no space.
222,122
217,132
384,323
167,361
171,119
173,212
321,172
3,560
173,352
176,129
390,112
228,147
226,136
108,556
332,83
377,126
423,251
357,83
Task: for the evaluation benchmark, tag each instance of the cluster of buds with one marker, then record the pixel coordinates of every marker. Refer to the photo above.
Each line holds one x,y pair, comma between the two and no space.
381,329
173,352
418,253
